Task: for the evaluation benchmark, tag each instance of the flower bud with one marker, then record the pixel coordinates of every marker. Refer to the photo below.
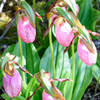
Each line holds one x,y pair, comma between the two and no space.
85,55
12,84
64,33
25,29
46,96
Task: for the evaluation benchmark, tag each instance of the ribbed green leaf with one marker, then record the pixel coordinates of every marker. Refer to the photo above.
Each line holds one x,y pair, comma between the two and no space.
59,60
83,77
32,59
82,80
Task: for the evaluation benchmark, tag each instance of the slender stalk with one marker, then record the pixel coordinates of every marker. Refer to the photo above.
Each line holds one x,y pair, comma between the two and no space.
51,48
39,29
34,4
73,72
37,22
21,60
20,47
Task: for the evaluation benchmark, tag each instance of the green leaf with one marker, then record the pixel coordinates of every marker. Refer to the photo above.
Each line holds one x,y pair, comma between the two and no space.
29,11
98,60
5,96
66,73
32,85
9,50
19,98
38,95
32,59
96,72
88,15
59,57
83,77
62,64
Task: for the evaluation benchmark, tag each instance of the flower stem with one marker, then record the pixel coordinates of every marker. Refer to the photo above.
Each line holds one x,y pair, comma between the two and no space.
73,71
21,60
34,4
51,48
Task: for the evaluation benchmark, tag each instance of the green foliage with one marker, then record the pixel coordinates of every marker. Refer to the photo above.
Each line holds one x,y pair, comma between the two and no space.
82,79
96,73
61,68
6,97
31,86
96,69
88,15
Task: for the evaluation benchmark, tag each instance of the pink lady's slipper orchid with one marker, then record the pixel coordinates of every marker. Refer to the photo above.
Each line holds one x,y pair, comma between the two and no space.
25,30
85,55
12,84
64,33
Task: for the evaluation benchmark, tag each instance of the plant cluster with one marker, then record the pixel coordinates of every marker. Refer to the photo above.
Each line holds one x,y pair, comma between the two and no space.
58,76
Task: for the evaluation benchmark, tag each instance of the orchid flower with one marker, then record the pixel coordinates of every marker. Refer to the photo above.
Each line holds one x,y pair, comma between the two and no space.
25,30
